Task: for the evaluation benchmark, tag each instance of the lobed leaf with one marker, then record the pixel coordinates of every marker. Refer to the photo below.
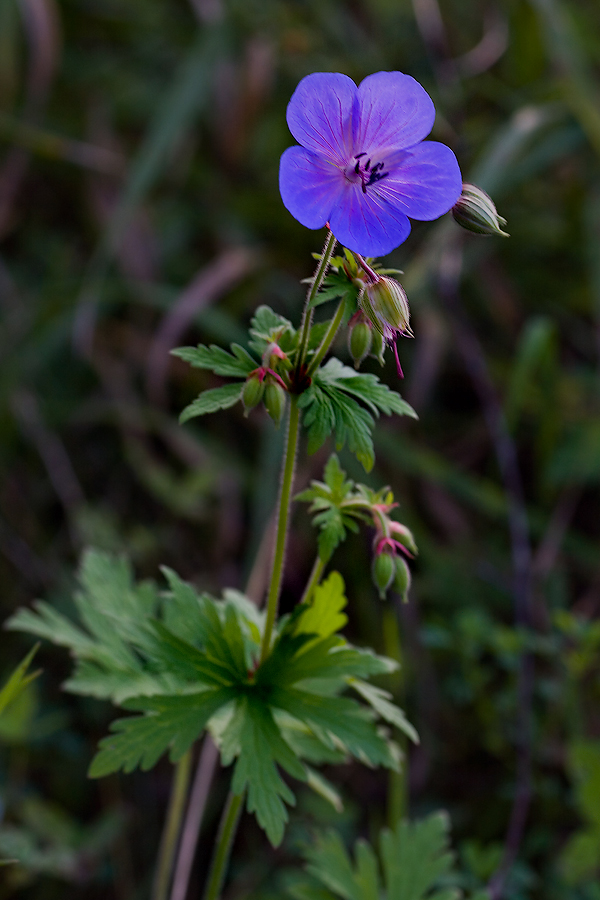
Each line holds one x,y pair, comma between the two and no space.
169,722
212,400
233,365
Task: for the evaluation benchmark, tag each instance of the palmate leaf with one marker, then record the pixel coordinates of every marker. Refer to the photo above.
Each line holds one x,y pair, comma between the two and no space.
183,661
236,364
261,748
326,499
114,612
414,857
170,722
329,406
212,400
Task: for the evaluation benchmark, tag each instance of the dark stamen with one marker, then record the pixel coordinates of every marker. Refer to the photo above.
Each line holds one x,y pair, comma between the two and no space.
369,174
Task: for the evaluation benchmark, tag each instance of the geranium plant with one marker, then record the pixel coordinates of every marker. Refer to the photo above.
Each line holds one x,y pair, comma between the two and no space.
281,695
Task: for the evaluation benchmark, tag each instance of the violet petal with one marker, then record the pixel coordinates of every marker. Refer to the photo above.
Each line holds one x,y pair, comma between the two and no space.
368,223
309,186
319,115
424,182
391,111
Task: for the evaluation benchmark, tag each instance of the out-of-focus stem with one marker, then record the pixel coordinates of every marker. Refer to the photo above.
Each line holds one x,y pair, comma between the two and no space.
227,830
289,462
168,844
315,286
398,783
327,340
313,581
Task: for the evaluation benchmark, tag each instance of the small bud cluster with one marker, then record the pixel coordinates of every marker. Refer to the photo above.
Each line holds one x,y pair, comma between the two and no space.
266,385
383,312
389,569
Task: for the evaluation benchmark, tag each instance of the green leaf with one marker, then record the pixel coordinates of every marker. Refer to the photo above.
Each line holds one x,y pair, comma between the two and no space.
414,857
267,327
212,400
170,722
328,410
327,498
233,365
377,396
324,788
261,747
389,712
18,680
340,718
115,613
324,617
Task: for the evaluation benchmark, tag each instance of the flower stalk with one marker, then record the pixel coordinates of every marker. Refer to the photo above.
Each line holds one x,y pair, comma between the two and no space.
314,289
289,463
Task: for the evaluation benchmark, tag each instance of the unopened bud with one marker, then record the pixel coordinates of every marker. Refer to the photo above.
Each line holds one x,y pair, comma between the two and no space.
402,579
360,336
385,304
476,211
383,571
404,535
377,346
275,401
252,392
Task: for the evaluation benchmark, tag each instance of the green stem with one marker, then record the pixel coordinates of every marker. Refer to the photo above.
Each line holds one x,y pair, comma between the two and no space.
398,783
168,844
327,340
315,286
313,581
227,830
289,462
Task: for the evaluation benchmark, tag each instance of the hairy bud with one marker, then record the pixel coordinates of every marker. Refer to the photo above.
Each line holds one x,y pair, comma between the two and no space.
476,211
402,579
377,346
275,401
385,304
383,571
252,392
360,337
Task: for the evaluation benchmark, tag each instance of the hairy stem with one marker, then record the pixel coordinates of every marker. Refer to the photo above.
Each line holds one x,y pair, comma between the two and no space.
227,830
289,462
327,340
315,286
168,844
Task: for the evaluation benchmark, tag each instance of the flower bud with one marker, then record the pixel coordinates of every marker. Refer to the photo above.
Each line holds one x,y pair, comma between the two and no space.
383,571
377,346
476,211
402,579
275,401
385,304
404,536
252,392
360,336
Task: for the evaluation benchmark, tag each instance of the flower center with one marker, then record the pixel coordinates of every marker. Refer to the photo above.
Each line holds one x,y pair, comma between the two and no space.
368,172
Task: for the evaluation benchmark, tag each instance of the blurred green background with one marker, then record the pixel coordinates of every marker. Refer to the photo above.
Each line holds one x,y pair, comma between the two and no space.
139,210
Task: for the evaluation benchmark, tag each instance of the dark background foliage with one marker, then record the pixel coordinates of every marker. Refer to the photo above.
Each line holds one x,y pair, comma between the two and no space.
139,210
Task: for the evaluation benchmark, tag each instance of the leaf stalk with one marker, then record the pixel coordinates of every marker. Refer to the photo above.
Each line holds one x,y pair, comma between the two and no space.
168,845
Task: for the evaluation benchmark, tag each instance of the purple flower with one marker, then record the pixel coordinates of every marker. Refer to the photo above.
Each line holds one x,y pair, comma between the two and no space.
363,166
